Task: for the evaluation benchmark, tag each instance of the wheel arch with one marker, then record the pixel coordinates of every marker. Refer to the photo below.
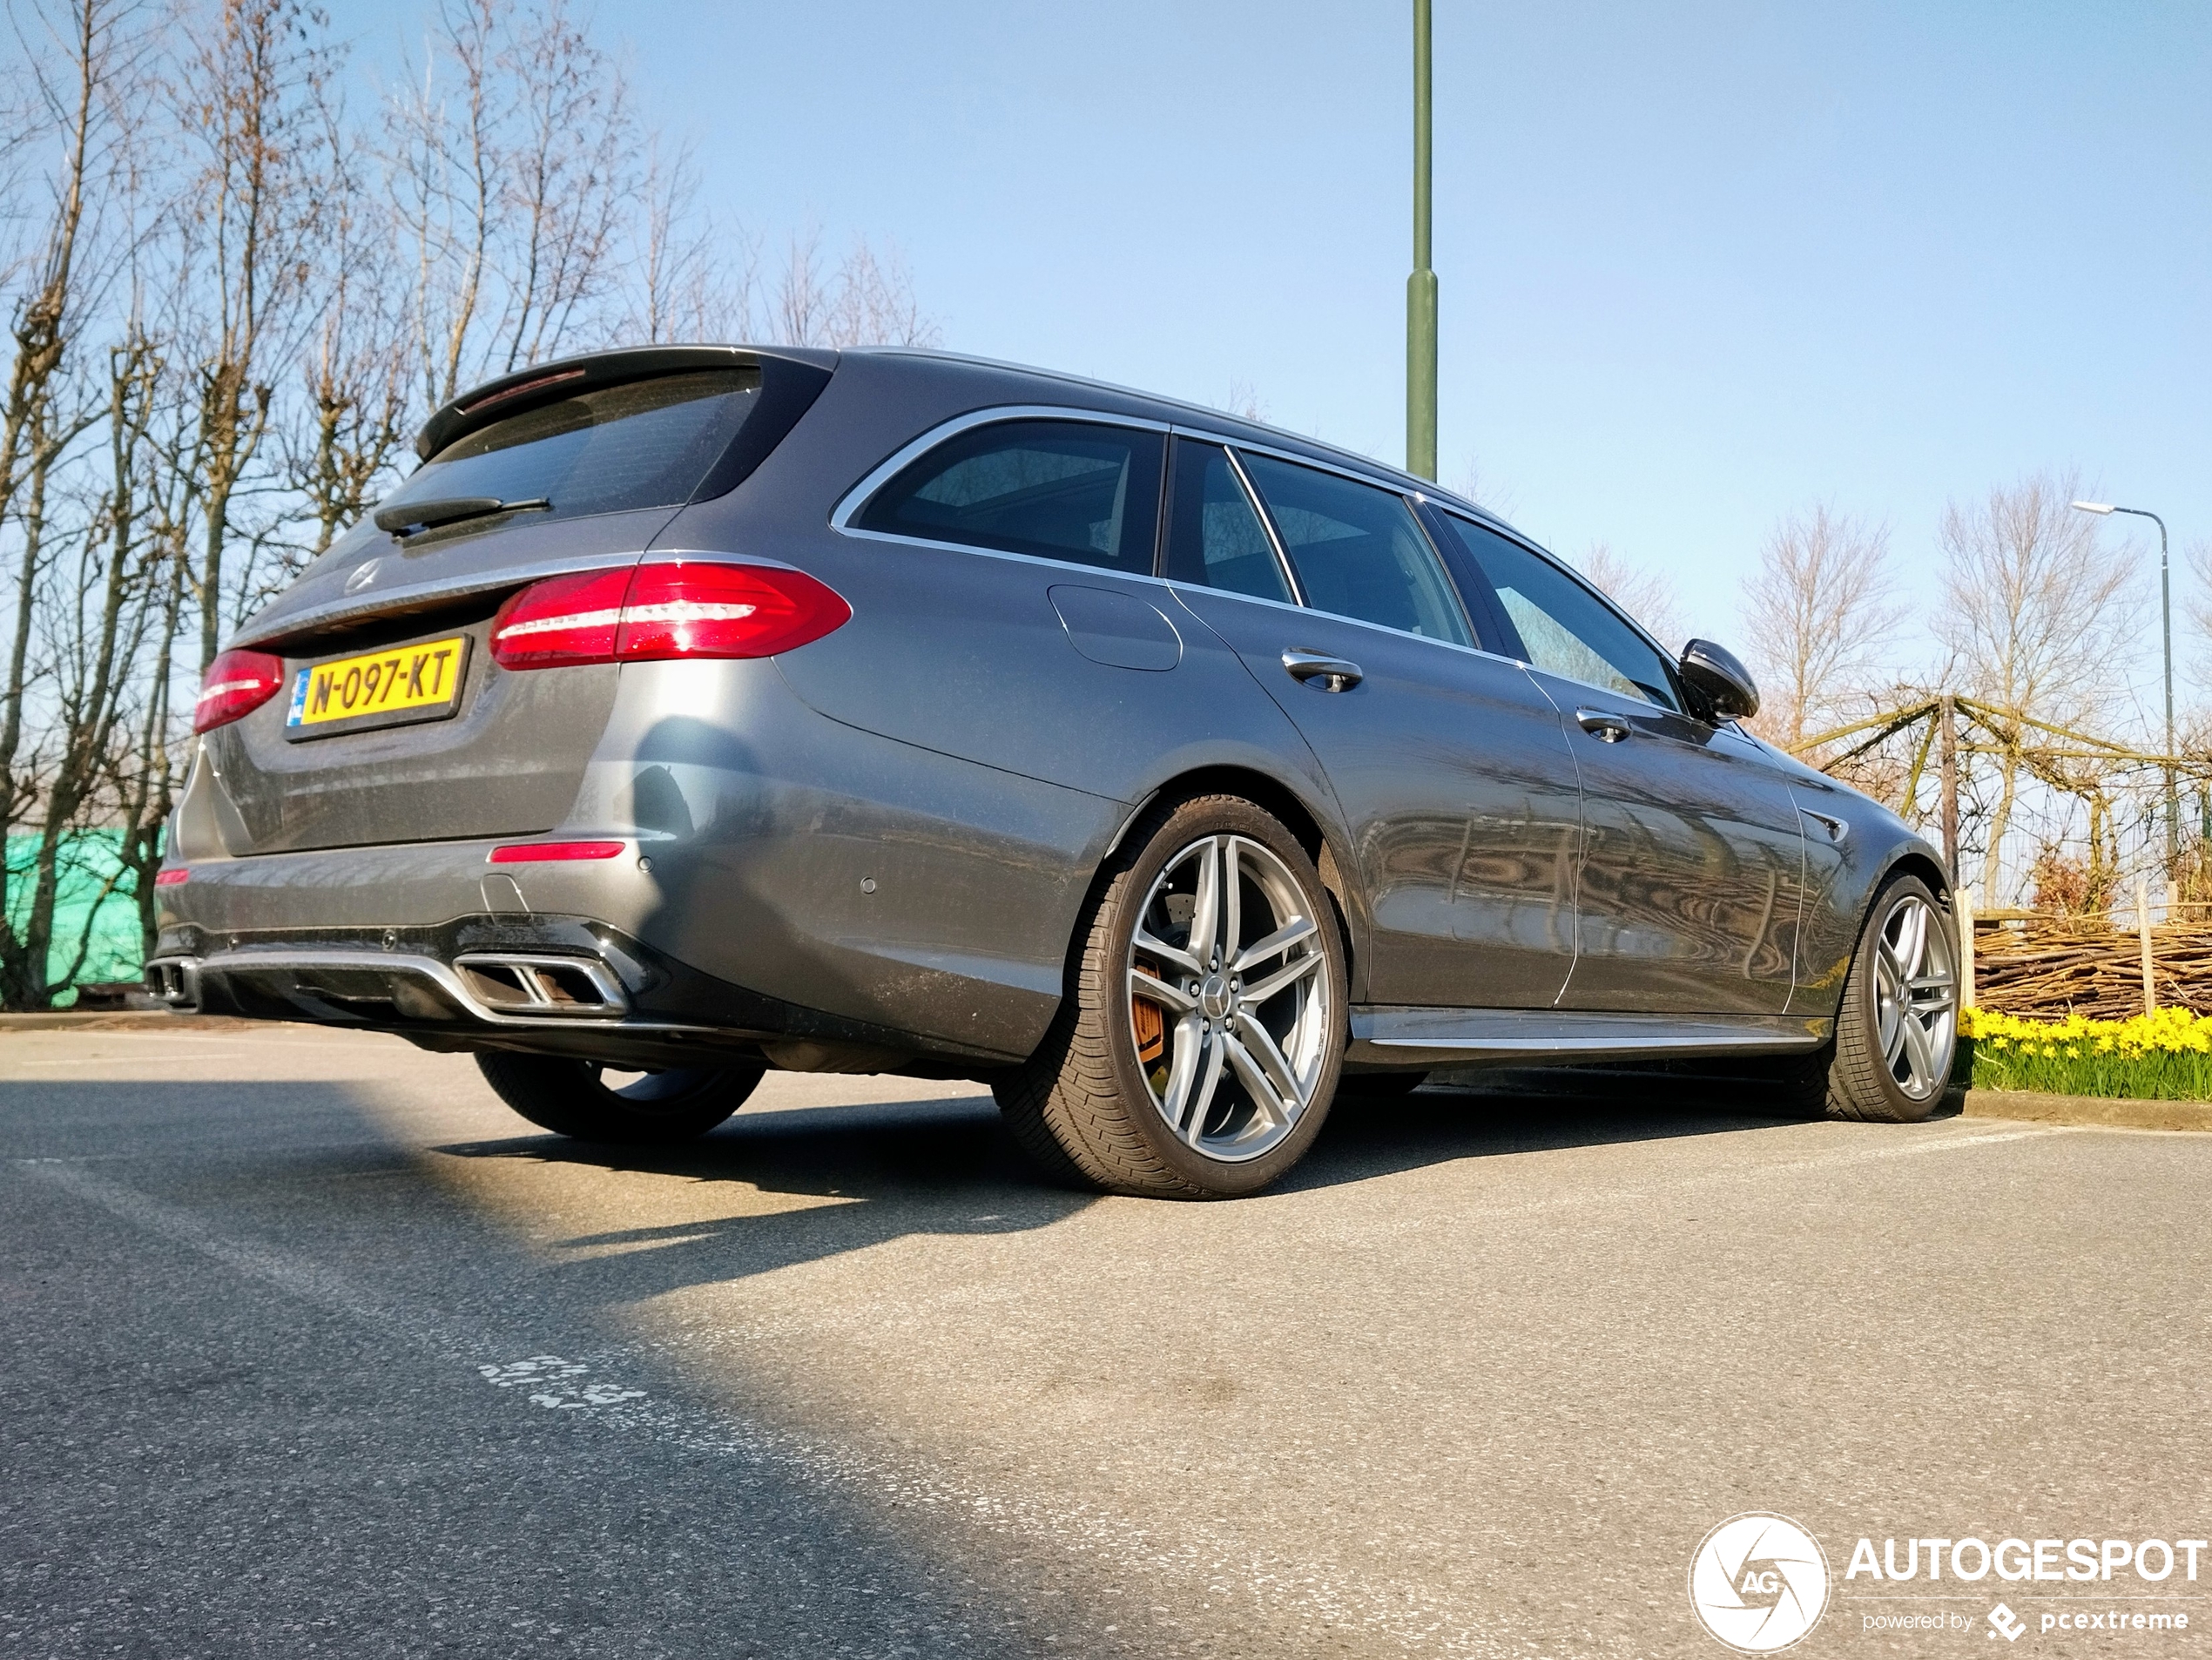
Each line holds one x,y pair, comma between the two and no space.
1304,821
1912,862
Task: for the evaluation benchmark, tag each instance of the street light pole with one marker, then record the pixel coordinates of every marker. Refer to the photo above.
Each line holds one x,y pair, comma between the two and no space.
2166,626
1420,288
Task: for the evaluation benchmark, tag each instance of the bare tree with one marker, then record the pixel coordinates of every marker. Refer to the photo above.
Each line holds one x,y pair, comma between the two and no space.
356,370
693,280
865,298
1817,620
2196,559
1243,402
514,161
249,95
443,170
571,171
2032,612
1646,595
227,309
95,620
82,57
1482,490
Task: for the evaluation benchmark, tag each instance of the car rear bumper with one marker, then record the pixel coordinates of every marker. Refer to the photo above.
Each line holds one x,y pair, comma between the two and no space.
435,944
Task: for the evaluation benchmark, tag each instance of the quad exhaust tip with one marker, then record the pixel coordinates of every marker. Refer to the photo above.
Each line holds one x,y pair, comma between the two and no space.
512,984
175,981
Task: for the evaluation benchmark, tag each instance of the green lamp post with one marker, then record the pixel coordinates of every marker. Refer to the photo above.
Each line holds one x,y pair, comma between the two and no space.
1420,288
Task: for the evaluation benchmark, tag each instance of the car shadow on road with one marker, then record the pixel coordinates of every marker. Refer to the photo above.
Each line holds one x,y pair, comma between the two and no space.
887,1170
893,1168
1524,1109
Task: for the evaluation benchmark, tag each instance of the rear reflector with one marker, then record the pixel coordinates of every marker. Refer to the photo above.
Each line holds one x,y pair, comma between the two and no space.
664,612
531,852
171,877
236,683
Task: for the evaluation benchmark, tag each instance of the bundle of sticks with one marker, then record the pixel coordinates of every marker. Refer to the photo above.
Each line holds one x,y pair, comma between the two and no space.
2044,969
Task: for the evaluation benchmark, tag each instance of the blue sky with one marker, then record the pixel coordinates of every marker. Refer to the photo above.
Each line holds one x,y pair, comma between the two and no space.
1701,264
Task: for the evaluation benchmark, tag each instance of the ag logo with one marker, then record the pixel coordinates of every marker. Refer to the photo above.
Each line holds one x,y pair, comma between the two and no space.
1759,1582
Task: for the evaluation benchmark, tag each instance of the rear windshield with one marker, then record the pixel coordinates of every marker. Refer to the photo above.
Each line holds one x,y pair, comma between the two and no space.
642,444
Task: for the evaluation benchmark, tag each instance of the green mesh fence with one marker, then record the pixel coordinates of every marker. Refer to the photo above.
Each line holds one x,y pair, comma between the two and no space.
116,949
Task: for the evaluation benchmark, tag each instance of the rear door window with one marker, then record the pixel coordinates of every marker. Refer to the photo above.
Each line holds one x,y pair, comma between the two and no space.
1358,551
1077,491
1564,629
1216,537
635,444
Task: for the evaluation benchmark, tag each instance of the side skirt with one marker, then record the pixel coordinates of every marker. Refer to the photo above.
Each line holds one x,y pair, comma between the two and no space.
1403,1036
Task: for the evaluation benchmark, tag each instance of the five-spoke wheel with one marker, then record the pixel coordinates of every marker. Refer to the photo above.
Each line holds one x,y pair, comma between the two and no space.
1915,996
1198,1050
1897,1029
1229,1007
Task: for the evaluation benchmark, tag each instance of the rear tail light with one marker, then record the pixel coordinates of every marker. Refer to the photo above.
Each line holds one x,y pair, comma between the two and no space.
656,612
236,683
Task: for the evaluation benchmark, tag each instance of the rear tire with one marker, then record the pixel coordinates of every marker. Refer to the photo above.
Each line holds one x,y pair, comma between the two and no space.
1232,1074
570,1098
1897,1027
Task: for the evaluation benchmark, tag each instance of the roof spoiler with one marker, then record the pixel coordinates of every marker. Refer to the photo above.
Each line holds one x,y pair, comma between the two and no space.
563,377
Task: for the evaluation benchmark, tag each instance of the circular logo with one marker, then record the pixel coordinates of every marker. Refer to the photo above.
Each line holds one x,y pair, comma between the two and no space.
1759,1582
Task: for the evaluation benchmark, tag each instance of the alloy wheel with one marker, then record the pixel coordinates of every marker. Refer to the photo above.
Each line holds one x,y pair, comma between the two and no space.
1916,998
1228,995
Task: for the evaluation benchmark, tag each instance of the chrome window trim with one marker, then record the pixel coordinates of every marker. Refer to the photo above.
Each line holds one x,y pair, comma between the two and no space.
1443,567
1257,502
1588,587
1296,460
903,540
854,499
1259,599
1355,622
1602,690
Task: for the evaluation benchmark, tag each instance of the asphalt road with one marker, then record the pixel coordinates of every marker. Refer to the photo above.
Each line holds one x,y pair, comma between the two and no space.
311,1347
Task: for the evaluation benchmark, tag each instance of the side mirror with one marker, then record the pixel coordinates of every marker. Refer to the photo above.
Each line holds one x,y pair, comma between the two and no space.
1719,682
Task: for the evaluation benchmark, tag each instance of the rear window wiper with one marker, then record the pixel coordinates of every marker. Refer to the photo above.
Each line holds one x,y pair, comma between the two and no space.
405,518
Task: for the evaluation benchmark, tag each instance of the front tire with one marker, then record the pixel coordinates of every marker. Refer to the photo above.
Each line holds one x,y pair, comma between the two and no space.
571,1098
1897,1029
1197,1051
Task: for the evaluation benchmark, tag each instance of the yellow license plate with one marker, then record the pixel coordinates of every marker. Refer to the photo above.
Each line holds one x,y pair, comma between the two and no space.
387,688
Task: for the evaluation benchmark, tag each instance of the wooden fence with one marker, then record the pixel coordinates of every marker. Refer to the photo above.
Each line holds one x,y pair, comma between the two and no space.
2044,968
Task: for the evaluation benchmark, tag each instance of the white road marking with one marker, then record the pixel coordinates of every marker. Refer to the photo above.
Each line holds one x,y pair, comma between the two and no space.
1218,1564
550,1375
1221,1566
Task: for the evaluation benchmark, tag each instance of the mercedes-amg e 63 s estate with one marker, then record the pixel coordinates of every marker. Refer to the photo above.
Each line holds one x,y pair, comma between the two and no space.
692,712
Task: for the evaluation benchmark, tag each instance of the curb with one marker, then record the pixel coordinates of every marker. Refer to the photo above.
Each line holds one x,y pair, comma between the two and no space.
2108,1111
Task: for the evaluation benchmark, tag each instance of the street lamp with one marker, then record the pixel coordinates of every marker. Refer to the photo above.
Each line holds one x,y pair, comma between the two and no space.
2166,623
1420,287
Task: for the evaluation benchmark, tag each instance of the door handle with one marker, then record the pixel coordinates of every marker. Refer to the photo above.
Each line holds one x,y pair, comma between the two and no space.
1334,673
1602,724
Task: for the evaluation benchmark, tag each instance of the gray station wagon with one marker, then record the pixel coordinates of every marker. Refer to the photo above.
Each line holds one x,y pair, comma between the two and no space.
692,712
